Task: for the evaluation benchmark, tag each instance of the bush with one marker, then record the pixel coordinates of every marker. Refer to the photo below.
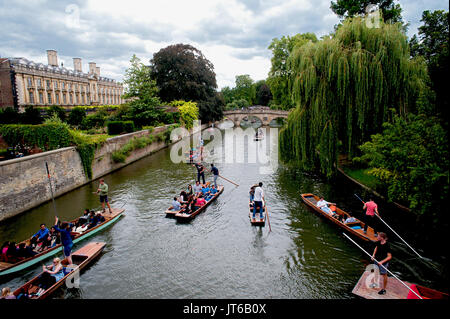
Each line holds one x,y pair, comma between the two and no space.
58,110
119,127
76,116
121,155
9,116
31,116
94,120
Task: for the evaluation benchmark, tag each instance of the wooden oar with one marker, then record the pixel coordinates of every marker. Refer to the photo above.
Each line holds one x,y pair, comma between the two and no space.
228,180
267,214
382,266
51,188
394,231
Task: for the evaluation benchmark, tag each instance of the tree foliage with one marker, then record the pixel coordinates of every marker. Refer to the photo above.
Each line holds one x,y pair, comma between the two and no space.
411,157
278,79
391,11
432,44
342,88
188,112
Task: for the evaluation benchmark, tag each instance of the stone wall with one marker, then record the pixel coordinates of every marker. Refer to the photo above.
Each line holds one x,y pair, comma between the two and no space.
24,182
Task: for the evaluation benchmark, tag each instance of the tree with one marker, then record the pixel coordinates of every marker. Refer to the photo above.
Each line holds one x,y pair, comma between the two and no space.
432,44
263,94
188,112
211,109
182,72
244,88
76,116
390,11
278,79
411,157
141,89
343,86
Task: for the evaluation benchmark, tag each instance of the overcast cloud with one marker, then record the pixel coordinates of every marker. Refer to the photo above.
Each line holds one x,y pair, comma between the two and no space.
233,35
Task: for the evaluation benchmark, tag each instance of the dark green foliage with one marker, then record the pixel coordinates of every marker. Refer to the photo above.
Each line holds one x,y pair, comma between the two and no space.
58,110
76,116
31,115
96,120
119,127
9,116
263,94
45,136
411,157
391,11
211,109
432,44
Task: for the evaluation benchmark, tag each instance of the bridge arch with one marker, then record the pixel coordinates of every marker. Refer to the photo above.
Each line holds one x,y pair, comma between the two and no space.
264,114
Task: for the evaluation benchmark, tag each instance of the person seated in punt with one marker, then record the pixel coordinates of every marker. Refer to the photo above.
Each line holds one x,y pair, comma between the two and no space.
206,191
9,252
176,205
199,202
183,197
190,206
252,193
3,251
25,250
190,191
40,236
197,188
7,294
93,220
350,220
51,275
213,190
100,218
323,205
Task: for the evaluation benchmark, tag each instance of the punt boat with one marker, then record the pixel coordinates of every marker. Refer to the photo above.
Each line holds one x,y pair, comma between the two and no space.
183,217
258,221
355,228
11,266
80,259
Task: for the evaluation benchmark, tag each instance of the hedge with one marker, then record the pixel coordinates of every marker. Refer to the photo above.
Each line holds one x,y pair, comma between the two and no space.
118,127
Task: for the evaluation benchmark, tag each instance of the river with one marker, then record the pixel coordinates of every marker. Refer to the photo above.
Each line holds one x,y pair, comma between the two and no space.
219,254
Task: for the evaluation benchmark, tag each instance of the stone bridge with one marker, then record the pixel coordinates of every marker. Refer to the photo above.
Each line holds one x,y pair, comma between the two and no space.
264,114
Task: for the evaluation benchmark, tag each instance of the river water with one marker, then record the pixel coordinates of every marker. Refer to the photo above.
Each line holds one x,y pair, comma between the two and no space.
219,254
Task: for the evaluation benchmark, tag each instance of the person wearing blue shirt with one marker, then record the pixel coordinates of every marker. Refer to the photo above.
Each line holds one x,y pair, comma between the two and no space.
215,172
66,238
176,204
206,192
40,235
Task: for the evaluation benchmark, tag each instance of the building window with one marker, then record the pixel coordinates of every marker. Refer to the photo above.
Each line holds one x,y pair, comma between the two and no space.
55,85
49,96
31,97
30,82
63,85
57,98
48,84
39,83
71,98
41,98
78,99
64,98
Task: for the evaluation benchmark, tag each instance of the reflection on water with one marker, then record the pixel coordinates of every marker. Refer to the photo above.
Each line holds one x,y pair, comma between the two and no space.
219,254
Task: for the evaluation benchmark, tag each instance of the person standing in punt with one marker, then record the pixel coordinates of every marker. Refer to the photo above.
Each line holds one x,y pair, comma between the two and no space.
258,200
382,253
215,172
66,238
369,219
103,192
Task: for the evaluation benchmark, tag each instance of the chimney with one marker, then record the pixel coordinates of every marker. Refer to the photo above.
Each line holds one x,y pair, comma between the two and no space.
97,71
52,57
91,67
77,65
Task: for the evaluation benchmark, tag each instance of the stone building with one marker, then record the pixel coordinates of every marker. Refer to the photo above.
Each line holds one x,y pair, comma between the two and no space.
24,82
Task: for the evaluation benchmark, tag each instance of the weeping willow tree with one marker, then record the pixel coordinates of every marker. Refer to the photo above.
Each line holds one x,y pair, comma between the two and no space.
343,87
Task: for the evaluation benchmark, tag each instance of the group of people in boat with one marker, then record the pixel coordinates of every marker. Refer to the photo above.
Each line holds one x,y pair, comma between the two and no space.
46,238
194,198
382,252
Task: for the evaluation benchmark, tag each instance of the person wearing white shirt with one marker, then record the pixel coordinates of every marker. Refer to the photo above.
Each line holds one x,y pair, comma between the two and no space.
323,205
258,198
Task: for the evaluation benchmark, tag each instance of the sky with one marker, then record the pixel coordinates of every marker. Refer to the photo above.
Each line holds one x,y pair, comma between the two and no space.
233,34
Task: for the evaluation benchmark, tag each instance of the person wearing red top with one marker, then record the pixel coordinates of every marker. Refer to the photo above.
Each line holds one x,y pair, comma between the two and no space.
371,209
200,202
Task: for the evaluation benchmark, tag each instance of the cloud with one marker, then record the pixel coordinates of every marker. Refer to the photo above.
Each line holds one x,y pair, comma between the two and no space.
233,34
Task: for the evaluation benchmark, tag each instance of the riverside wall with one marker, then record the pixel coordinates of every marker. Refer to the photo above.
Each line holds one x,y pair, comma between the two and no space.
24,183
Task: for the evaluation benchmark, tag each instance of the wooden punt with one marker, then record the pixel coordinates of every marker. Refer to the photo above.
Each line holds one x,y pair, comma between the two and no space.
258,221
356,228
7,268
183,217
394,289
80,259
171,213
